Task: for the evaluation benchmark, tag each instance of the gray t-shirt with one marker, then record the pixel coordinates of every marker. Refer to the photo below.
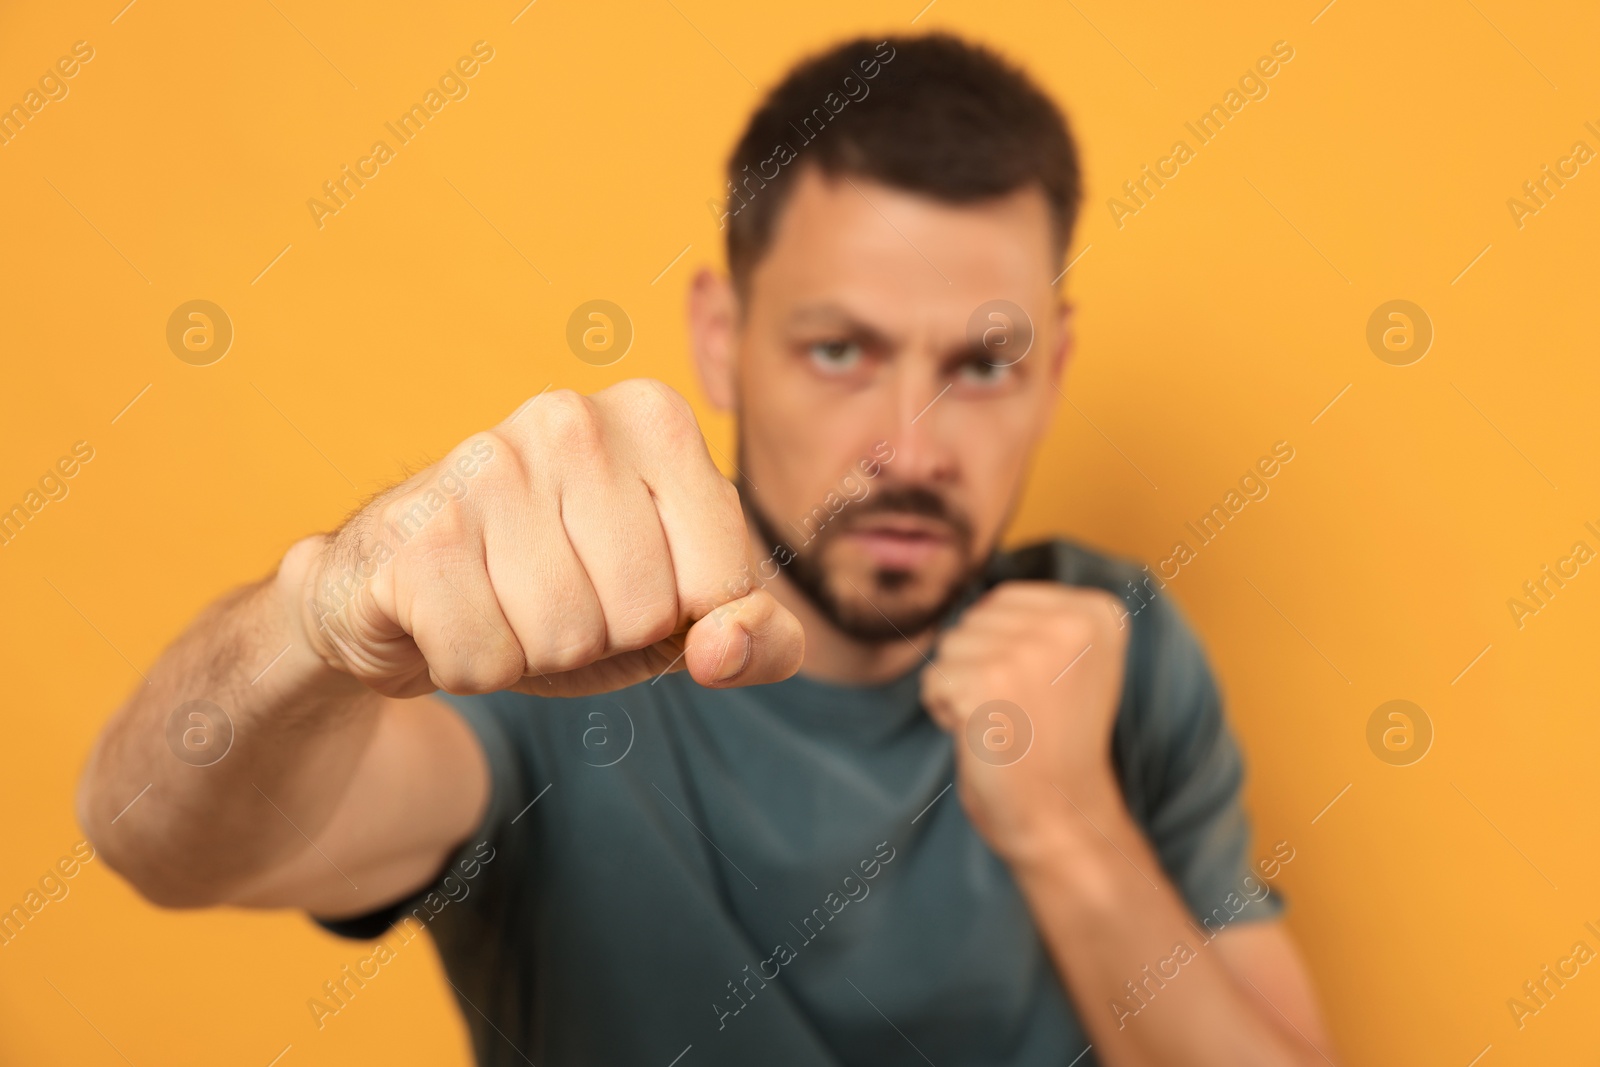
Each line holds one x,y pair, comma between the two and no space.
783,875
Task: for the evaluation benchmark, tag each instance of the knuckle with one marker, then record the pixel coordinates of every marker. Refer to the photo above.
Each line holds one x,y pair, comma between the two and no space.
486,447
434,527
731,506
1072,631
993,678
660,412
571,422
677,433
573,649
507,463
647,396
1106,614
1103,601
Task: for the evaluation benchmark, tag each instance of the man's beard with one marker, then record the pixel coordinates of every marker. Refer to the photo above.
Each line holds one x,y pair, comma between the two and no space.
868,622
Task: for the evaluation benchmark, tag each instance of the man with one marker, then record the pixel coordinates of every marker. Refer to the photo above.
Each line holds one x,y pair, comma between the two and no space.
995,817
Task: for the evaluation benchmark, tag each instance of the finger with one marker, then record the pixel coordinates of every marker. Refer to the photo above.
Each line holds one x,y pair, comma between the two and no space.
1057,597
698,508
563,537
749,641
608,675
449,608
545,595
977,645
1007,619
1021,596
614,529
1030,592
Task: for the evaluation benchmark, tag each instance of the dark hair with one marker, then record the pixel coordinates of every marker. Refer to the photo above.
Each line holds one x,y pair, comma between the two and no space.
930,114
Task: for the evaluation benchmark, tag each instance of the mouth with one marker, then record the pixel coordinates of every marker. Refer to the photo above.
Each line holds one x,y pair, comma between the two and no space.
900,542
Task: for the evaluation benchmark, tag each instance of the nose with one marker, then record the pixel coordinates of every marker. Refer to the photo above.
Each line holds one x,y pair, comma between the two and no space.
923,423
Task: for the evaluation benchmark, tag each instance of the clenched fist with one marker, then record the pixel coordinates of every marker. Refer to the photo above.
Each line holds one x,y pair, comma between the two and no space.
1054,655
584,544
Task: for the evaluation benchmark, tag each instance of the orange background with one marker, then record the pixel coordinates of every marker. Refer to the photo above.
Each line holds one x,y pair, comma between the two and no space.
1223,317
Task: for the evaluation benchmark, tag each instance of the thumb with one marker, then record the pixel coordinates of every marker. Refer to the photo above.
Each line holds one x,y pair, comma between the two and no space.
750,641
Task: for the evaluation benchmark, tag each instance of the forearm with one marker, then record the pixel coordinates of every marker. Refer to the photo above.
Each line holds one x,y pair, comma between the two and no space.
1137,969
190,824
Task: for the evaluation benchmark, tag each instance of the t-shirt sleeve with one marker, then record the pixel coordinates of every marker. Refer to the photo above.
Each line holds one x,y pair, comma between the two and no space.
1191,775
494,720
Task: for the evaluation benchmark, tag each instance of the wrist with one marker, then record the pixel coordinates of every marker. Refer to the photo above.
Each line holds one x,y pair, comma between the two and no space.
1073,823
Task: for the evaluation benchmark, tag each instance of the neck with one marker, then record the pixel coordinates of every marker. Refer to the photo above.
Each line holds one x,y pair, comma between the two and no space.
834,656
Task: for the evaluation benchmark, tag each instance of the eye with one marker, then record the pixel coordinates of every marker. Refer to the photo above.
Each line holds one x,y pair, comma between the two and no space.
983,373
835,356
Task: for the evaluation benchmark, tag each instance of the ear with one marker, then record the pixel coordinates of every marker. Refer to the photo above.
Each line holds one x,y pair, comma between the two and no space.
1060,355
713,335
1066,340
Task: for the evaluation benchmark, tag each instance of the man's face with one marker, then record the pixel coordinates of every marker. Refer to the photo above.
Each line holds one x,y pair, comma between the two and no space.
856,353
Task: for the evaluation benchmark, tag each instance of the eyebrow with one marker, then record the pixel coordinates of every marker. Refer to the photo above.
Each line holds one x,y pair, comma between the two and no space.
828,314
833,317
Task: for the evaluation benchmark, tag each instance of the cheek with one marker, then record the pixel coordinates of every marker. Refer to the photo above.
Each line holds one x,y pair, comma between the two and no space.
807,440
994,460
787,456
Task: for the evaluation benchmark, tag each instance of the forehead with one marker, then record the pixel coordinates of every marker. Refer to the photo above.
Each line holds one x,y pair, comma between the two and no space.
888,254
